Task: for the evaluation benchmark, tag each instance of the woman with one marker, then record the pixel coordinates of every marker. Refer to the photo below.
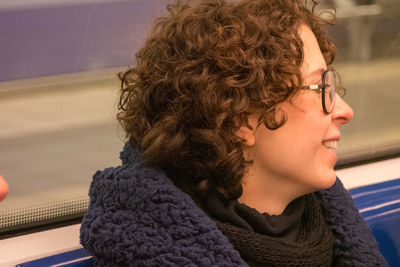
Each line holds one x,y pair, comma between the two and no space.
232,117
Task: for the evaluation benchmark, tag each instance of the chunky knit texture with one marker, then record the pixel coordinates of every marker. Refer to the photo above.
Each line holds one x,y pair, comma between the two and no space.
354,245
137,217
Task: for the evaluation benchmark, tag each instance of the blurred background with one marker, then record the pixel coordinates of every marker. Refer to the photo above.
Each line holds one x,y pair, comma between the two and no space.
59,89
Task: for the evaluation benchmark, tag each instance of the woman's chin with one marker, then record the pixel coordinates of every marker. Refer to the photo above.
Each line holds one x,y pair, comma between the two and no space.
328,179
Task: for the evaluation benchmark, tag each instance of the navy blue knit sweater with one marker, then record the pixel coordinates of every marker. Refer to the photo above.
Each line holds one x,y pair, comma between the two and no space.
137,217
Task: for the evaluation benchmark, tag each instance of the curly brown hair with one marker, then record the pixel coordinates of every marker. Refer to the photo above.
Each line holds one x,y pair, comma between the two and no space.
205,67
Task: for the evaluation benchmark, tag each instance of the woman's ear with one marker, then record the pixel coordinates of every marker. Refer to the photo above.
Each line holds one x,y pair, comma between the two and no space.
247,130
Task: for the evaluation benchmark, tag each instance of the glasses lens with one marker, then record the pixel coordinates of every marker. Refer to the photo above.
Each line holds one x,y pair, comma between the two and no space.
330,91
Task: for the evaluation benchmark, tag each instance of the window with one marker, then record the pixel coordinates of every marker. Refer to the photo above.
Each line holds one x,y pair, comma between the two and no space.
58,95
368,60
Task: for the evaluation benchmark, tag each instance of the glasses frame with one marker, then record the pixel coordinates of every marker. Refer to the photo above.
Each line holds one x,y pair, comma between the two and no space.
323,87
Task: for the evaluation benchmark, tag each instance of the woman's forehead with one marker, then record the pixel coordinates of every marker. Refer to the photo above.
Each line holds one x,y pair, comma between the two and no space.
313,63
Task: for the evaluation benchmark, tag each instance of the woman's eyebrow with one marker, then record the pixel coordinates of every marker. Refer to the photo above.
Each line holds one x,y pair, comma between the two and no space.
315,75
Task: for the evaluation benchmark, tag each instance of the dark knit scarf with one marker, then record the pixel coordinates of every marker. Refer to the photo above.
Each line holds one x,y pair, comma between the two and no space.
285,226
313,246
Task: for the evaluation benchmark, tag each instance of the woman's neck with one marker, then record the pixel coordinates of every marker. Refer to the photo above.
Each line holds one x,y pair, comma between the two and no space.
267,194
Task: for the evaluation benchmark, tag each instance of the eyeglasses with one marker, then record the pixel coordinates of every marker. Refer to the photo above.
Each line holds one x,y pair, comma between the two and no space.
328,89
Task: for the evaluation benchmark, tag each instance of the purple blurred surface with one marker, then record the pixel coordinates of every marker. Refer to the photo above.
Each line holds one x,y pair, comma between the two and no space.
53,40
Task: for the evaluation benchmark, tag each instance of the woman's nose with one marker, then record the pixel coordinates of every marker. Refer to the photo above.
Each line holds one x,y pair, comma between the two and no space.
342,112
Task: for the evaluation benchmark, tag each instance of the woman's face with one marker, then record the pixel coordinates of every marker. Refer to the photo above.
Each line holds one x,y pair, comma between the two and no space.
299,156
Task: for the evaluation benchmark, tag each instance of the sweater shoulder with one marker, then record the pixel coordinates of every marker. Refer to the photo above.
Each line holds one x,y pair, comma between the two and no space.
136,214
355,245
